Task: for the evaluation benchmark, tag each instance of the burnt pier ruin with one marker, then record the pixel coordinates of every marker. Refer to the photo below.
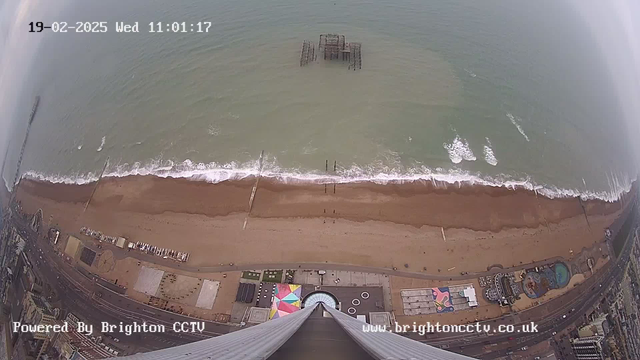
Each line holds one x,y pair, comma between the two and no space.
332,47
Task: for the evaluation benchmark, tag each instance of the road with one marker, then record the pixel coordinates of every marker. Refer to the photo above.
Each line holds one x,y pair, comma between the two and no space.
78,292
550,317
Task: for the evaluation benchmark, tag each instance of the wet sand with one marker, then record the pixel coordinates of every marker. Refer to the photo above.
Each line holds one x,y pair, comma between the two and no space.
363,224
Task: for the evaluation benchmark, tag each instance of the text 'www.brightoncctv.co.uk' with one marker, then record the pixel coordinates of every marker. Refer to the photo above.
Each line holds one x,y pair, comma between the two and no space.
433,328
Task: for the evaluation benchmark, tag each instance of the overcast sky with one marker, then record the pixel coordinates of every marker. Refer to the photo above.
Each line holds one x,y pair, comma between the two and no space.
615,25
17,53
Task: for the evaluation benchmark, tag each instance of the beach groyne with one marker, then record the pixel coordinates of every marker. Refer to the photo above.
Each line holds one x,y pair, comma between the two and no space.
479,208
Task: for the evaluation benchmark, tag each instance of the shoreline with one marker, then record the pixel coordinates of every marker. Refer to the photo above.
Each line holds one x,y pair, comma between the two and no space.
214,174
415,227
419,203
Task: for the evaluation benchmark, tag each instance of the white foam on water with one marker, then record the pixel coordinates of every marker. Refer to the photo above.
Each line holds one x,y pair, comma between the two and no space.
79,147
104,139
6,184
516,122
308,150
213,131
619,184
459,150
489,156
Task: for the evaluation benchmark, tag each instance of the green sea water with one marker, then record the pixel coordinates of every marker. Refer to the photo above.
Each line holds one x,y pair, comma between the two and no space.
495,92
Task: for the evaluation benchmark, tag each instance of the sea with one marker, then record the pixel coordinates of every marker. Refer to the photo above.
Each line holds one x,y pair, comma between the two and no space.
496,93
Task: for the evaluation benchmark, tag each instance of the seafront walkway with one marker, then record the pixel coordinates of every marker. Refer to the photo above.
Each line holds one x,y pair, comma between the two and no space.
549,310
120,254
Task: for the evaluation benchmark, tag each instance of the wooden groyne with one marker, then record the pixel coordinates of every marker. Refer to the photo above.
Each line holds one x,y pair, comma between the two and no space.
254,190
95,187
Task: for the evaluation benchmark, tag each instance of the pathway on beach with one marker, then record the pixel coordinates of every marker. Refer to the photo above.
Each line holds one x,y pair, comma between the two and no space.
120,254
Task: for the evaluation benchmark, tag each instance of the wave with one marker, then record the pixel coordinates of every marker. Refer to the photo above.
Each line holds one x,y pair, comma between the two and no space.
215,173
459,150
6,184
489,156
471,73
104,139
516,122
213,131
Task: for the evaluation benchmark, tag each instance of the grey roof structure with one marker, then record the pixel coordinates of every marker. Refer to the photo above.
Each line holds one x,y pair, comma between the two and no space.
387,345
262,341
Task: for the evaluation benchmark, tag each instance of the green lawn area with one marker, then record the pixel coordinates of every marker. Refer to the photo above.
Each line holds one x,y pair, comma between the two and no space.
272,276
251,275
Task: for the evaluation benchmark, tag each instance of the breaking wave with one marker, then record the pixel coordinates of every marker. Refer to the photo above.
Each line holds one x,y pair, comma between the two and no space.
459,150
104,139
489,156
375,173
516,122
471,73
213,131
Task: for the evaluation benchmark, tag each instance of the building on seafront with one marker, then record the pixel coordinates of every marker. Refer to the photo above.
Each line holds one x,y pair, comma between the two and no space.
597,326
36,312
588,348
301,333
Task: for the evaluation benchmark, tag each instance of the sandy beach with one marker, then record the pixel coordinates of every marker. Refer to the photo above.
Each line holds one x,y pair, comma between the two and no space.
394,225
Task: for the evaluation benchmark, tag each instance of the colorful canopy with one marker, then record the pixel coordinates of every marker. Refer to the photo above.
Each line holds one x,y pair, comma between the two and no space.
286,300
